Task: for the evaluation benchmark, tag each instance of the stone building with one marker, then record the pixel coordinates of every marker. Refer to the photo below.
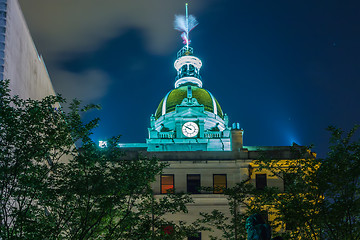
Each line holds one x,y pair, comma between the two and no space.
190,131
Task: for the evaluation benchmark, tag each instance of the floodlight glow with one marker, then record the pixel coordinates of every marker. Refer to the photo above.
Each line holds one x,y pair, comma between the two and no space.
102,144
163,109
214,103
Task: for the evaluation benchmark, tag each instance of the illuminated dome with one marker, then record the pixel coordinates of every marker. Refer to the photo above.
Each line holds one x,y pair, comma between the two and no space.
176,96
188,118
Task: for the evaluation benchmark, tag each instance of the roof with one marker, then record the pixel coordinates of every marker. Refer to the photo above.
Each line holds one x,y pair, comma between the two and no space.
175,97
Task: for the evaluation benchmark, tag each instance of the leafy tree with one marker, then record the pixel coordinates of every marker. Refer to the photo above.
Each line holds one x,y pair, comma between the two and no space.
152,214
233,226
49,189
296,206
339,178
320,198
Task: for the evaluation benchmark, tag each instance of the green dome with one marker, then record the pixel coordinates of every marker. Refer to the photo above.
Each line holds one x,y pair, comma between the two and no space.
175,97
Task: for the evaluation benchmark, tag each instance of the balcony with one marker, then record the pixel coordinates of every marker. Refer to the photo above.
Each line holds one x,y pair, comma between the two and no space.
166,135
213,134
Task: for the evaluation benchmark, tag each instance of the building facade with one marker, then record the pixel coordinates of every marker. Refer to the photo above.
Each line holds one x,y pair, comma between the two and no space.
191,133
19,59
188,118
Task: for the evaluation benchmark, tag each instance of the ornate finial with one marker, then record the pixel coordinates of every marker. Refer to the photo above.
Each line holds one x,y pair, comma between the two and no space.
185,24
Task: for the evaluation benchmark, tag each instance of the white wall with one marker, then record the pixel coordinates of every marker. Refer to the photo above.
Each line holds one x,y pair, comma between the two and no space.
22,65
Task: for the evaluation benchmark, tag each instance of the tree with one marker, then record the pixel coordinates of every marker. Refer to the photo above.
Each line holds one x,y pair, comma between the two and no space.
233,226
297,205
245,200
320,198
50,189
339,178
152,214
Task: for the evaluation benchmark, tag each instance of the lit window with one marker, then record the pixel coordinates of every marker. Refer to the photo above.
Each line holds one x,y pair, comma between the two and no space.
193,183
167,183
219,183
261,181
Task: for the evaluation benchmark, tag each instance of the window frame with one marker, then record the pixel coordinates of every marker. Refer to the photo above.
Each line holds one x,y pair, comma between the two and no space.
289,180
198,237
187,183
256,181
219,191
161,182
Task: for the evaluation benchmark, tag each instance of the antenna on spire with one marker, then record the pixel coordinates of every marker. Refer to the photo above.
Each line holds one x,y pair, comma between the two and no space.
185,24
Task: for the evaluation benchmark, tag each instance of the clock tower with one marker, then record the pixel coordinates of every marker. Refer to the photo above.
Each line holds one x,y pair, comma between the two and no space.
189,118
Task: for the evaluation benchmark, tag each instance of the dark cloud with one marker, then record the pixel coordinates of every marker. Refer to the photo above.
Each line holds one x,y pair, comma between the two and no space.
89,86
63,27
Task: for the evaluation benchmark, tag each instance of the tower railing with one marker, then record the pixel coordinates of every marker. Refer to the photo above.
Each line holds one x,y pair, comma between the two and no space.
185,51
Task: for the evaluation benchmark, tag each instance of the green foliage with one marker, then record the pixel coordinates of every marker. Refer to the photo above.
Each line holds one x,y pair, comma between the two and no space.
298,204
320,199
339,178
233,226
152,214
32,133
49,189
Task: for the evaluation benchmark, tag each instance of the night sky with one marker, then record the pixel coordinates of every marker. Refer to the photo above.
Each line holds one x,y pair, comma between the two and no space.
285,70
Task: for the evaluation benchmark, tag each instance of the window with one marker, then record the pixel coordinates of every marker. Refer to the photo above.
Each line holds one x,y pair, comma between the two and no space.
289,179
183,69
265,216
198,237
261,181
193,183
166,183
191,70
290,226
219,183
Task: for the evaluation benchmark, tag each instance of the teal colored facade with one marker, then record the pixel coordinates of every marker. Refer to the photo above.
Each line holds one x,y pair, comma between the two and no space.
189,118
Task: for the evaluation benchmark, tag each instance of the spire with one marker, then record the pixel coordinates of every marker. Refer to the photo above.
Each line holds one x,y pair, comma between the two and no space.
185,24
187,65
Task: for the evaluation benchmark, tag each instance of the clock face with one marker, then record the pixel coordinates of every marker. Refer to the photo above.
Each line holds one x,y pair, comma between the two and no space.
190,129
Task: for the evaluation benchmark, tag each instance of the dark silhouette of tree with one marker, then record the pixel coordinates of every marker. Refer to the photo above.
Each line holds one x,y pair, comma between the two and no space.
320,198
50,189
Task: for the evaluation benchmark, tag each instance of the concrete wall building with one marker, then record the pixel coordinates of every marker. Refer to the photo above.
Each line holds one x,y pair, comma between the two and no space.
19,59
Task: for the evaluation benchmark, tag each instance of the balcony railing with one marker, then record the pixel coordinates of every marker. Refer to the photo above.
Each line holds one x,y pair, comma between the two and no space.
166,134
213,134
170,135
